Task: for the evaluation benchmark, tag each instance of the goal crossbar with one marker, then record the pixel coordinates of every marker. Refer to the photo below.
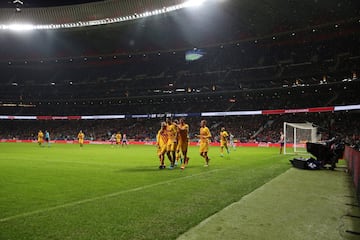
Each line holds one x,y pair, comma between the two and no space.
296,135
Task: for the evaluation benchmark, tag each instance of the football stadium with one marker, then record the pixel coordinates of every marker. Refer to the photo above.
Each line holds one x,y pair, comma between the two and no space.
180,119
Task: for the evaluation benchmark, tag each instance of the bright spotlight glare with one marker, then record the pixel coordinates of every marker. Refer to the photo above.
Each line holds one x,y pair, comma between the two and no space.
194,3
28,27
21,27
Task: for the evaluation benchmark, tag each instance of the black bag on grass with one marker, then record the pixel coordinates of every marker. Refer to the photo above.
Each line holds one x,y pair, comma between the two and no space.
310,163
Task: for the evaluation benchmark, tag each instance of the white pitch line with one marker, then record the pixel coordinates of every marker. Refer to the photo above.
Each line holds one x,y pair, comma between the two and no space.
71,204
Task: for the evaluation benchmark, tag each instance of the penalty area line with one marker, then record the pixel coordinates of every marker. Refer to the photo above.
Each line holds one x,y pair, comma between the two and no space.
110,195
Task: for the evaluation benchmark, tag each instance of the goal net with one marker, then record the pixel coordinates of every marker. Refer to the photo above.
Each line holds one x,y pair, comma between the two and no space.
296,135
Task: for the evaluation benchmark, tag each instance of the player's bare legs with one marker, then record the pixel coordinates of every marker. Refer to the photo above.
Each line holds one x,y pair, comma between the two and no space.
206,157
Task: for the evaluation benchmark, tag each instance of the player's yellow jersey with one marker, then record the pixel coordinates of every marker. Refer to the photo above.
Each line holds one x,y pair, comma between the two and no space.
118,137
204,134
171,130
81,136
161,138
40,134
40,137
224,136
183,132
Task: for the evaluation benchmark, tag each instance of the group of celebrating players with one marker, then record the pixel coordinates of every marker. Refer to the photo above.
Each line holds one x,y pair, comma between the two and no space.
172,140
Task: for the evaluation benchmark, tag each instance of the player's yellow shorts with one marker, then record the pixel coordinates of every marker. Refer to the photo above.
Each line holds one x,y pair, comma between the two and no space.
223,143
204,147
81,141
178,145
171,146
161,150
182,146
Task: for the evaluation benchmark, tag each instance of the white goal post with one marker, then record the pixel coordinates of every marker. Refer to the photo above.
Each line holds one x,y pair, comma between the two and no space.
296,135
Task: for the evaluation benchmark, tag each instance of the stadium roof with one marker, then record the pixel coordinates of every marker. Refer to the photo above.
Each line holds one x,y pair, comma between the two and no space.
42,3
258,15
52,16
218,21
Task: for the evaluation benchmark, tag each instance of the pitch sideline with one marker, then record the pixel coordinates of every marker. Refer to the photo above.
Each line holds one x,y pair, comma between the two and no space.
298,204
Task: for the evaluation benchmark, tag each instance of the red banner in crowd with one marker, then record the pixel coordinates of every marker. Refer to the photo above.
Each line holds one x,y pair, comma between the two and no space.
299,110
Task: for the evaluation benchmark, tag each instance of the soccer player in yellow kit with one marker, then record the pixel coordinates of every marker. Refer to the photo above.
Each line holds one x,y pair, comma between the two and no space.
224,136
177,147
171,130
204,136
81,137
182,145
118,138
161,142
40,137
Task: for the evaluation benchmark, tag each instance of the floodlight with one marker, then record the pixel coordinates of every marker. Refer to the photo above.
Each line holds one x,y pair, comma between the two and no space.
20,27
194,3
27,27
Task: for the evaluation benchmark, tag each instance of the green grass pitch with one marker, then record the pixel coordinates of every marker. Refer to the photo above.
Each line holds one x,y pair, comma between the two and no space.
105,192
